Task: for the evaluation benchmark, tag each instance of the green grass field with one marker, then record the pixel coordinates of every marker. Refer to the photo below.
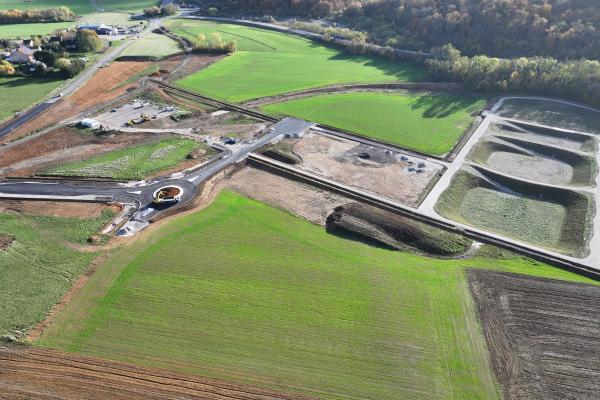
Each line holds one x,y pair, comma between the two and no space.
243,291
127,5
21,92
271,63
79,7
552,113
153,45
431,123
131,163
39,267
23,31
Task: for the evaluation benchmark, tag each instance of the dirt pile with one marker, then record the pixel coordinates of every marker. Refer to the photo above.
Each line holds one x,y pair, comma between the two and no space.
542,334
5,241
395,231
30,373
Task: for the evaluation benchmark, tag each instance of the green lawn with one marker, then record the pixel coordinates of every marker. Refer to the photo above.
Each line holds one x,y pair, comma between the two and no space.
21,92
23,31
127,5
246,292
153,45
431,123
39,267
79,7
131,163
270,63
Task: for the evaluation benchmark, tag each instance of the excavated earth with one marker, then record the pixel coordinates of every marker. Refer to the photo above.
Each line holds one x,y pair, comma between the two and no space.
542,334
32,373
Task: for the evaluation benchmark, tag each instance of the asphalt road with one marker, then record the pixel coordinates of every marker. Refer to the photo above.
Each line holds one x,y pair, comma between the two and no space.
141,193
72,86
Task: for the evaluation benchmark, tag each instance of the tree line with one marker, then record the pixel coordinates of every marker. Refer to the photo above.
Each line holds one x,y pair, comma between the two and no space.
576,79
308,8
58,14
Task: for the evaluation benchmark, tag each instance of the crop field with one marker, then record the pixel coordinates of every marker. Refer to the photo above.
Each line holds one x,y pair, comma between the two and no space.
541,333
79,7
246,292
552,113
21,92
21,31
430,123
521,211
153,45
132,163
40,265
270,63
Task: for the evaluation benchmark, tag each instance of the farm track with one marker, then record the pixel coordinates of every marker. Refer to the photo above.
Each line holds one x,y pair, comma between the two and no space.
350,88
48,374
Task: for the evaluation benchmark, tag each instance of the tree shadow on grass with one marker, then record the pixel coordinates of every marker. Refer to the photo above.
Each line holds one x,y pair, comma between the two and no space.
20,81
442,105
399,70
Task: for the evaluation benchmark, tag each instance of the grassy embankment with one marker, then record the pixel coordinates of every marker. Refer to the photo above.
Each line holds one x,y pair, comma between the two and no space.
245,292
270,63
431,123
552,113
522,212
79,7
131,163
40,266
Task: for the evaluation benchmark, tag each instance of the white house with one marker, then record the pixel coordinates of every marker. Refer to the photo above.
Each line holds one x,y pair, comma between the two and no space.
22,55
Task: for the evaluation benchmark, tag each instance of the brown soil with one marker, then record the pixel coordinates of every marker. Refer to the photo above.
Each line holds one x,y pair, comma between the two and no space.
6,241
297,198
31,373
56,209
542,334
382,173
59,146
194,64
100,89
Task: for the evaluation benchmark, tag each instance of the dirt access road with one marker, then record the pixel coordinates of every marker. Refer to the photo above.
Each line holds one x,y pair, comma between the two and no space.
32,373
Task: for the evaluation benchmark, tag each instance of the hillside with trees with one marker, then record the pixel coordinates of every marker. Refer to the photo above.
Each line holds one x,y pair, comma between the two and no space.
501,28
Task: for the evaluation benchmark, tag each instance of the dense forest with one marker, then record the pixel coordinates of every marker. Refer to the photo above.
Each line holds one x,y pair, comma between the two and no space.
303,8
501,28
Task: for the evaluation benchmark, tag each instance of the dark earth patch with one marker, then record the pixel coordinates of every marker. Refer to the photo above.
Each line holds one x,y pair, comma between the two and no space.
5,241
542,334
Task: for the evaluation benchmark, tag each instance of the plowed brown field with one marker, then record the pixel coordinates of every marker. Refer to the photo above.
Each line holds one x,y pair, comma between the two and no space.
100,89
542,334
32,373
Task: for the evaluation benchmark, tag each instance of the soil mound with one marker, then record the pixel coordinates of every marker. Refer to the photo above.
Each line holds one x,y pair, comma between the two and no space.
394,231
